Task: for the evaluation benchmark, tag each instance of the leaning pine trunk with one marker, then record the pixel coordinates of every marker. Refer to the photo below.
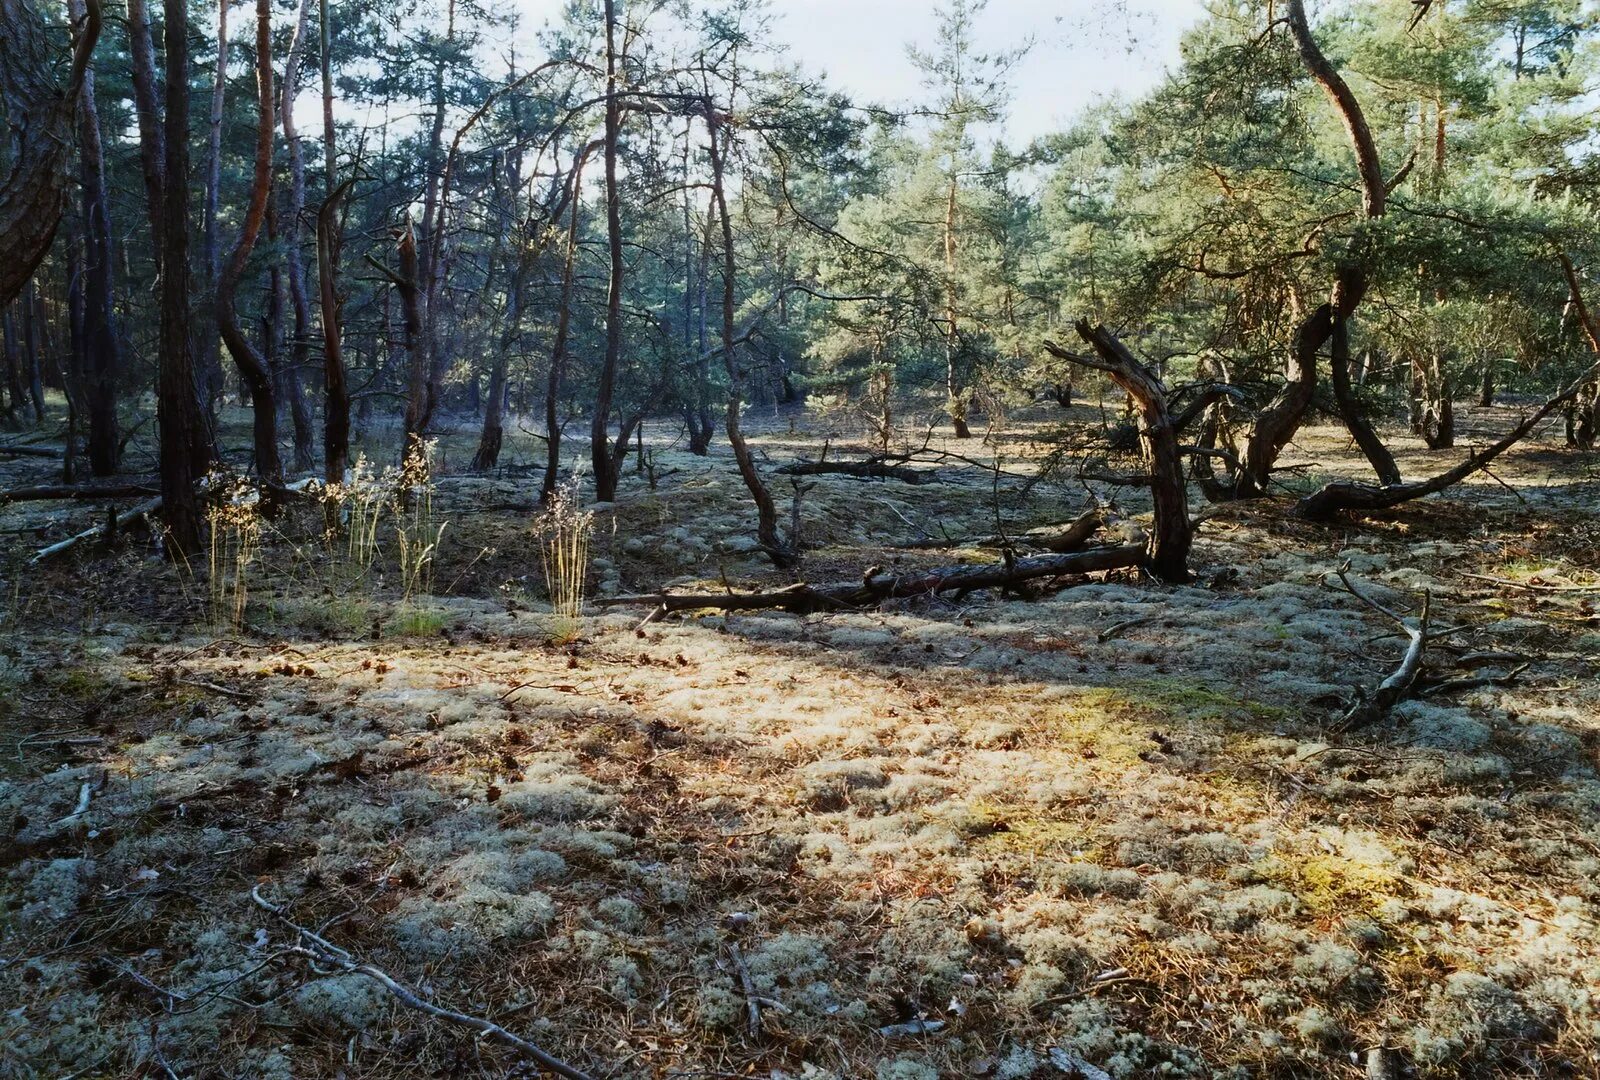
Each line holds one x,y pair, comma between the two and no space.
783,555
252,369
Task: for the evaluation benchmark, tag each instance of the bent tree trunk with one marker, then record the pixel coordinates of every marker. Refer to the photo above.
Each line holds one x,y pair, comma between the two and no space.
782,553
1166,553
1334,498
252,368
1278,423
1377,454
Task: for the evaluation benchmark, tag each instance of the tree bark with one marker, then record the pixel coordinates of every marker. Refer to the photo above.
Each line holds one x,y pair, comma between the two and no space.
517,257
252,370
419,405
783,553
300,347
177,406
558,350
1377,454
33,193
102,359
955,400
875,588
1171,534
210,356
335,393
602,457
147,108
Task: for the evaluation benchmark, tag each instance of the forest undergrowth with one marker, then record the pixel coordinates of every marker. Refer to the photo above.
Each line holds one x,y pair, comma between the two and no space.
1108,828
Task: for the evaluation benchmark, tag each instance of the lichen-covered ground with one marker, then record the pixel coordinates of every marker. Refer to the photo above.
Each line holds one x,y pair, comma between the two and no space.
1106,828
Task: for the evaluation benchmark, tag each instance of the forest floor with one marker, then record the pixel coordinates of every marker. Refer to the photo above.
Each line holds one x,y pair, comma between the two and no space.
1107,830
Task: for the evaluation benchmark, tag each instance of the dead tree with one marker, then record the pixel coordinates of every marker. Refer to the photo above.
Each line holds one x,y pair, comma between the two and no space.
252,368
39,109
1167,549
875,586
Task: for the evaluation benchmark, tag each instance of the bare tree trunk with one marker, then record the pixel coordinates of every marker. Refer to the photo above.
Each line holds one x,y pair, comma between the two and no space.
558,351
1486,381
177,406
1377,454
956,400
102,359
252,370
300,349
783,553
600,451
210,356
407,283
1171,534
33,346
518,264
335,393
284,368
147,108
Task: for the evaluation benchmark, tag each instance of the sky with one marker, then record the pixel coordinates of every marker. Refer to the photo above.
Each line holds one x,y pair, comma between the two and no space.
1083,50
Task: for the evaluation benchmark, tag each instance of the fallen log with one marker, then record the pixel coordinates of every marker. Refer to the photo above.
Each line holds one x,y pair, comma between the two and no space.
876,586
104,530
861,470
75,492
33,451
1059,539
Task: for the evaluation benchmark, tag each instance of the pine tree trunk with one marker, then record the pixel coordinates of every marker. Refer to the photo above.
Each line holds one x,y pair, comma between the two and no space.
177,406
252,369
209,357
147,109
600,451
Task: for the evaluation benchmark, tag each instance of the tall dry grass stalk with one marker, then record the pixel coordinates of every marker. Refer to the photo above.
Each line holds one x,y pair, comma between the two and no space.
235,521
563,531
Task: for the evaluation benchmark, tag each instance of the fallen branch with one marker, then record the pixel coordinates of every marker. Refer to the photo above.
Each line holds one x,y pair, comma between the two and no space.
325,954
1060,539
861,470
75,492
101,531
875,587
1347,495
1370,708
